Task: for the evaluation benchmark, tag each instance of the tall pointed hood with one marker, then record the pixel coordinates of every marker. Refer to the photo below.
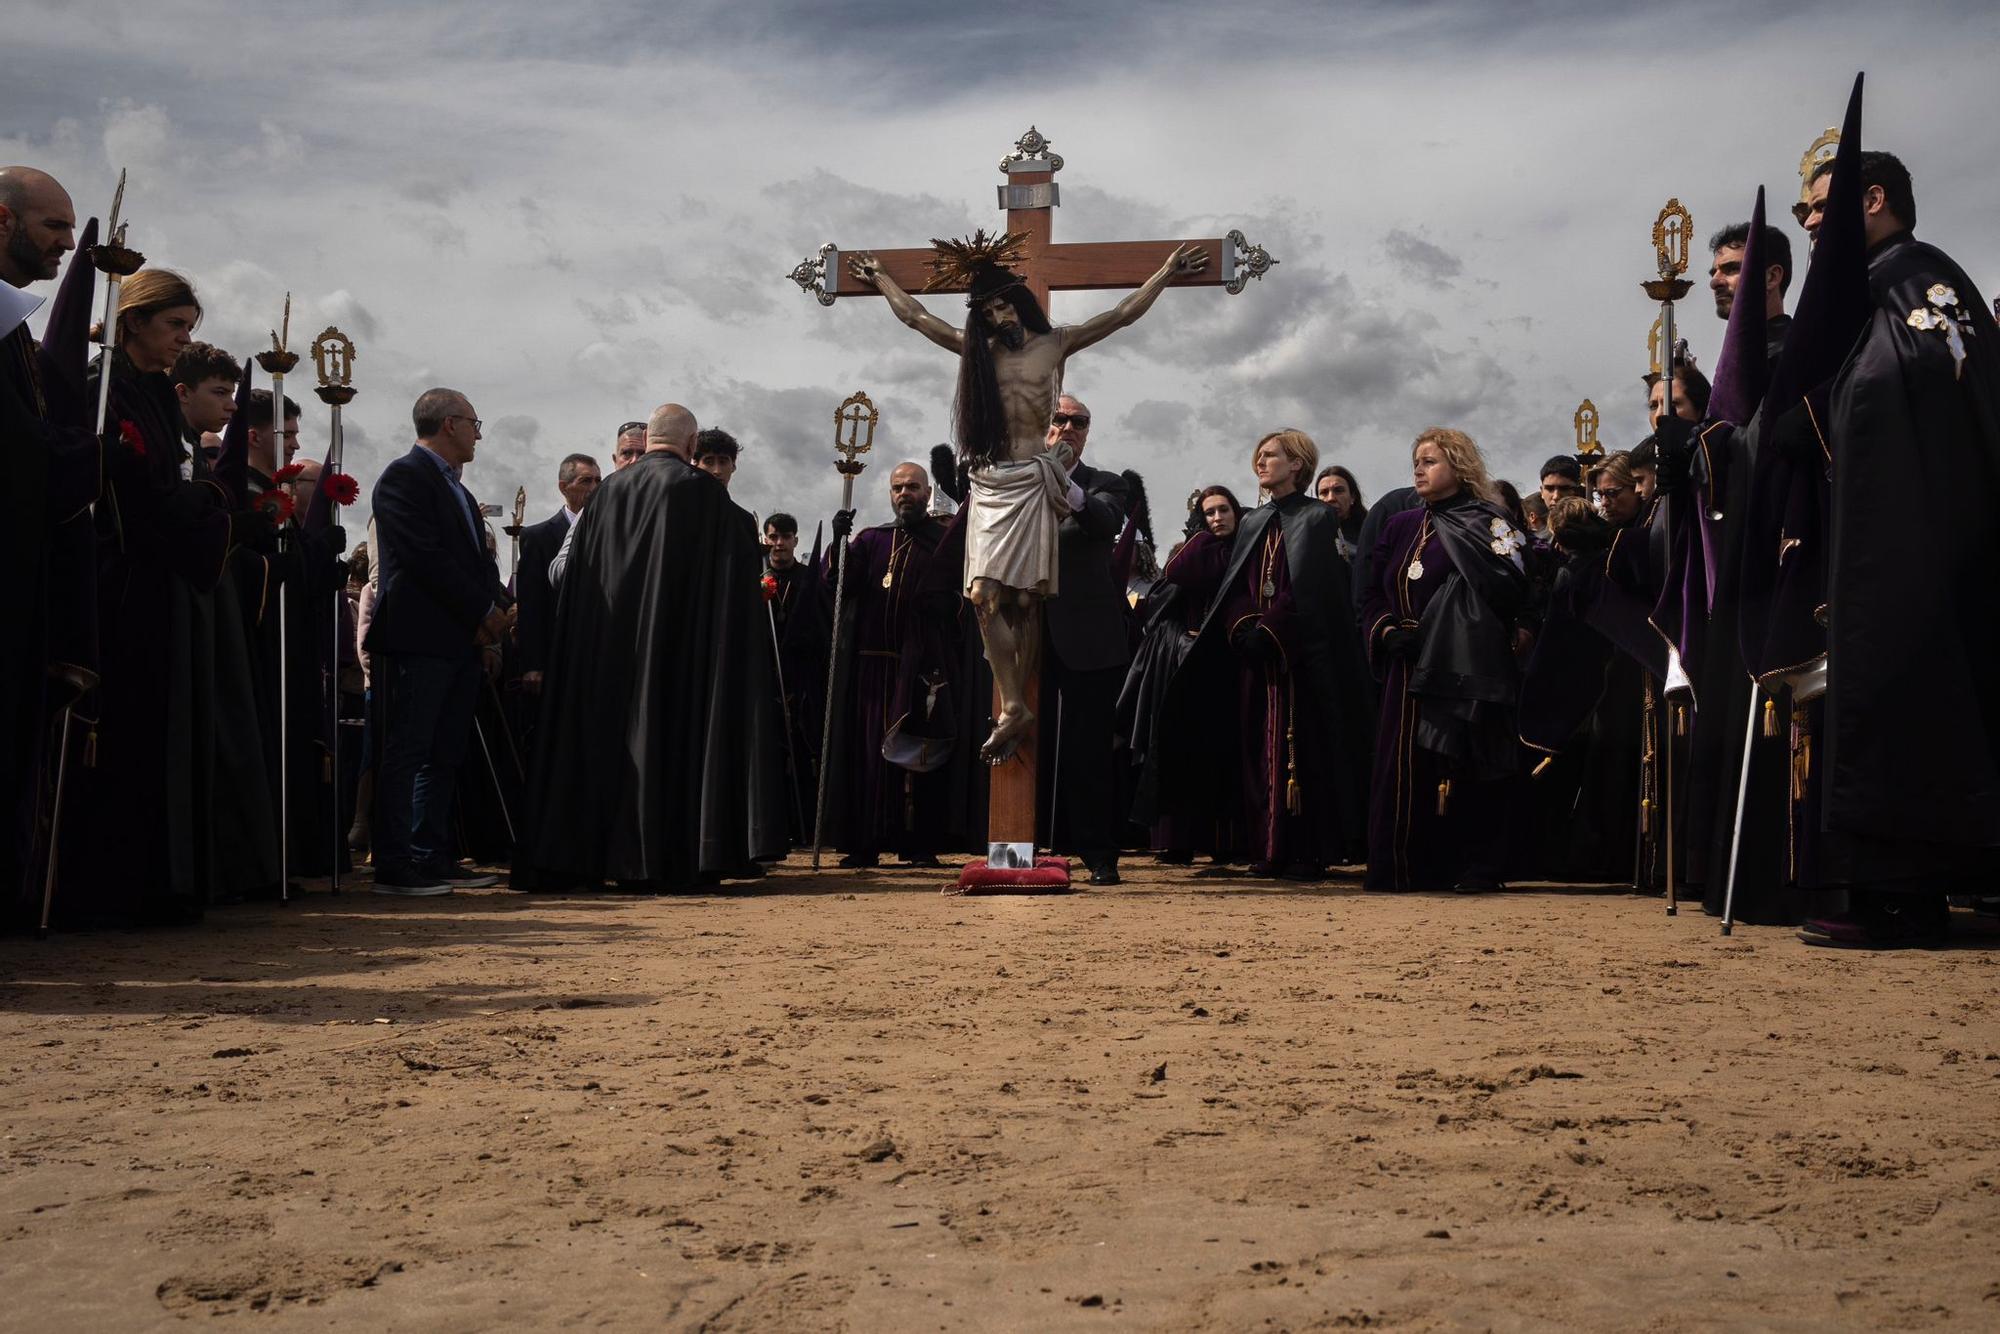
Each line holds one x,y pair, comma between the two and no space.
1834,305
1742,369
65,352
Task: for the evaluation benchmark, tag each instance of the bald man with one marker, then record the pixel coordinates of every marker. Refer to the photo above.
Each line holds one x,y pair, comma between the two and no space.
659,759
672,430
894,724
46,541
37,225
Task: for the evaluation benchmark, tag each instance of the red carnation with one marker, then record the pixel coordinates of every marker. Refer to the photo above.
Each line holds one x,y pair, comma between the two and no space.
129,433
769,583
277,506
340,488
287,473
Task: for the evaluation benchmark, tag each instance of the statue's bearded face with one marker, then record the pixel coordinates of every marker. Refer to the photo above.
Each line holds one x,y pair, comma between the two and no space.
1003,321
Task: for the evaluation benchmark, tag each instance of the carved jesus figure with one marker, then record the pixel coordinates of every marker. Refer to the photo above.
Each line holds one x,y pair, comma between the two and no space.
1010,373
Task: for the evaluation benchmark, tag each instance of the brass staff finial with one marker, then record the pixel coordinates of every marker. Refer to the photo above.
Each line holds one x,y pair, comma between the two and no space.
1673,233
1821,150
333,358
1585,423
855,411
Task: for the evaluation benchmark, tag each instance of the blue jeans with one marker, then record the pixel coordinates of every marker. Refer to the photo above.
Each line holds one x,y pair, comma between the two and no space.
427,709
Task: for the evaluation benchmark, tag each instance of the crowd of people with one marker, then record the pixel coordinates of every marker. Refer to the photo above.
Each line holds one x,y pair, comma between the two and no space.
1690,664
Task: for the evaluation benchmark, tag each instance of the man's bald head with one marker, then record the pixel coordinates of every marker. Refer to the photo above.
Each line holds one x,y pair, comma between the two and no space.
909,492
37,225
672,428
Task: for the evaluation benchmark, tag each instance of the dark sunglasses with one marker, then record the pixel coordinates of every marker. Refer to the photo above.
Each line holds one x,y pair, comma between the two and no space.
1081,420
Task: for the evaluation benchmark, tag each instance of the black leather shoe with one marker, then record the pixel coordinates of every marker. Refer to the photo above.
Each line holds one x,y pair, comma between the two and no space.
1105,873
924,859
856,861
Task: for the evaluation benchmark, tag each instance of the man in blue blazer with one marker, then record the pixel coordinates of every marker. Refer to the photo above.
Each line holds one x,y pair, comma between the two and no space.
439,601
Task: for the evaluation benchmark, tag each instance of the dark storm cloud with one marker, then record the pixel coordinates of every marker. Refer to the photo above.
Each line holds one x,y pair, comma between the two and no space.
1421,259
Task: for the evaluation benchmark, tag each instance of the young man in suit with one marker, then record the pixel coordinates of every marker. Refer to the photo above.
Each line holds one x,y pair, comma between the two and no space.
439,602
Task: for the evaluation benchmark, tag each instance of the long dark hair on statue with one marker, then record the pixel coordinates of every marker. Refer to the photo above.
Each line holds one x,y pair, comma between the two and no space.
979,426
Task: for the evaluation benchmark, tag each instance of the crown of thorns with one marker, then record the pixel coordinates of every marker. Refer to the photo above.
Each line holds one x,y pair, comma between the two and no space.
978,264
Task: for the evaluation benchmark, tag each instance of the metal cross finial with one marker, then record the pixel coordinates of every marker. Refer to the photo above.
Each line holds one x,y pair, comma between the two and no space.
333,356
1585,422
1032,147
1671,237
855,411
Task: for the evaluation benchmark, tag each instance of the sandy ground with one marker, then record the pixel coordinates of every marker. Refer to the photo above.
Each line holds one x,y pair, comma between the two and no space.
846,1102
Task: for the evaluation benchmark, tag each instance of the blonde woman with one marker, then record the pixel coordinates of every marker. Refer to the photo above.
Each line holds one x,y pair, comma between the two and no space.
177,812
1439,621
1278,638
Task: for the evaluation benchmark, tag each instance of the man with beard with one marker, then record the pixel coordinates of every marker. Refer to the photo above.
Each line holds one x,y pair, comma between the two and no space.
1902,685
52,478
660,758
1725,270
1011,364
797,613
894,739
1713,517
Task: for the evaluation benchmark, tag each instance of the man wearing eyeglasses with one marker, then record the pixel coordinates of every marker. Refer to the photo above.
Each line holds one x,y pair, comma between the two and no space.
1087,652
439,602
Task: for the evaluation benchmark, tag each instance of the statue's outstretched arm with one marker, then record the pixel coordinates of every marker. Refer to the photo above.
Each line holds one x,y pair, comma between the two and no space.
908,309
1186,259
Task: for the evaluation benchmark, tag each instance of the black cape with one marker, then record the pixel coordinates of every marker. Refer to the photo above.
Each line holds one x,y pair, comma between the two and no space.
1912,744
1200,698
659,756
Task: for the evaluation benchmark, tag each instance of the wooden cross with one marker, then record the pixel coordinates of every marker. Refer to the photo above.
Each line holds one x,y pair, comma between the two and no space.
1030,197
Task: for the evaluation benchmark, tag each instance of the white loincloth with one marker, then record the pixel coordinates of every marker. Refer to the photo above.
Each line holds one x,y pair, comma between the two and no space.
1011,520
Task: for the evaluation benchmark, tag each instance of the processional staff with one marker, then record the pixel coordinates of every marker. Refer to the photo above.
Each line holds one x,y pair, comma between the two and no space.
767,587
1673,232
116,263
276,363
333,360
855,411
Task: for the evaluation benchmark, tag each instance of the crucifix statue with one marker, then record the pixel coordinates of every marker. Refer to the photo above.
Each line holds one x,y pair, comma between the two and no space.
1010,374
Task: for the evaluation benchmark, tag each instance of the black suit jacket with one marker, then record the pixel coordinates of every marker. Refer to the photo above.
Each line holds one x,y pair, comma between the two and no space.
1086,618
435,580
536,599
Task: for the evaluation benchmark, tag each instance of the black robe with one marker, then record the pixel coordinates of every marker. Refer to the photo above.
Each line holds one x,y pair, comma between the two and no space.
52,477
799,620
658,758
1197,741
175,814
1904,766
1720,503
900,756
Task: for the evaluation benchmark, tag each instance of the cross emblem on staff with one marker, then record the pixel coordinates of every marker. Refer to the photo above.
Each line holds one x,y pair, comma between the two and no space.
856,411
1030,198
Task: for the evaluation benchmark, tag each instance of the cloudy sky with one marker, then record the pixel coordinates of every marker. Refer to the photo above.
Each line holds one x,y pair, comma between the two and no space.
575,211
